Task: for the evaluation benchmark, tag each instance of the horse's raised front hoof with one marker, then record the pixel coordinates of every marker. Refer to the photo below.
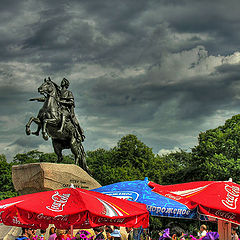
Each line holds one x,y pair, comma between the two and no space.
28,131
45,136
35,133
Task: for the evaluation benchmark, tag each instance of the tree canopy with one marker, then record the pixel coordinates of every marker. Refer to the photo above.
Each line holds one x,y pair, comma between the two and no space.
6,185
216,157
131,159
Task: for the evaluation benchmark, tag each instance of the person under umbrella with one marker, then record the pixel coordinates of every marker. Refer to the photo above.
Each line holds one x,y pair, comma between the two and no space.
234,234
61,234
52,233
116,233
99,233
26,234
203,230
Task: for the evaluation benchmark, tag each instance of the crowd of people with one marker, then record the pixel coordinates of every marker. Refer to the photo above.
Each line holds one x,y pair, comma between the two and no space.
202,234
113,233
100,233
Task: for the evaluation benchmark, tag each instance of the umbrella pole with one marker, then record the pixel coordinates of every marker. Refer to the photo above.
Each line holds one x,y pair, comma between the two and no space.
224,229
71,230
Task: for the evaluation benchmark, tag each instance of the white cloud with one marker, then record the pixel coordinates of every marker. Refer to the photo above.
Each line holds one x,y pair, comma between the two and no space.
82,72
167,151
27,76
177,67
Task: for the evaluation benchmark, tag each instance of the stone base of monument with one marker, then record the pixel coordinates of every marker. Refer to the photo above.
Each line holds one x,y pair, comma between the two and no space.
38,177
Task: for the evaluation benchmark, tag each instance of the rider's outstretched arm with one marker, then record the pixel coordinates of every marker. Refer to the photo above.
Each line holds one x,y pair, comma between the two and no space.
38,99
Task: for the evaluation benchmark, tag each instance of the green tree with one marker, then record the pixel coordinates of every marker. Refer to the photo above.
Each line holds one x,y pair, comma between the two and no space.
217,156
29,157
6,185
37,156
174,167
99,162
131,159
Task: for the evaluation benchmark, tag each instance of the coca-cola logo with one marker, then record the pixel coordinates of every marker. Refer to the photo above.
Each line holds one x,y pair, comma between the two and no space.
232,196
16,221
62,218
226,215
59,201
108,220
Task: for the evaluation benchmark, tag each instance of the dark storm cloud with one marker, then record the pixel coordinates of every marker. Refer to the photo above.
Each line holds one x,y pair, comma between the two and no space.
137,101
219,19
13,100
62,35
127,45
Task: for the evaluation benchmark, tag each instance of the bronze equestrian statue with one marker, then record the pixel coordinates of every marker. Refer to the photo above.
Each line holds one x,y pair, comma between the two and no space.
57,120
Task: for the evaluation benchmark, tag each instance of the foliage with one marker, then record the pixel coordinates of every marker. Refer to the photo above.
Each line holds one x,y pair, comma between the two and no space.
217,156
37,156
174,167
6,185
131,159
8,194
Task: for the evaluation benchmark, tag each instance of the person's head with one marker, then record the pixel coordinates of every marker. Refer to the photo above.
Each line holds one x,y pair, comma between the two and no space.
42,231
65,83
203,228
108,227
129,229
30,232
60,232
234,230
52,230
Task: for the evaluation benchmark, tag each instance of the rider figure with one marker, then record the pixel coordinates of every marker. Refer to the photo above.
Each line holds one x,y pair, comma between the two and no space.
67,109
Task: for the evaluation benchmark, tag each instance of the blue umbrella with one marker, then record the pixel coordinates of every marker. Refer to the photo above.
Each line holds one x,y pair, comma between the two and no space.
157,204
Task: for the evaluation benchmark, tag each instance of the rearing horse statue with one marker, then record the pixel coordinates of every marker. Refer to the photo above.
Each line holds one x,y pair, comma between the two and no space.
50,118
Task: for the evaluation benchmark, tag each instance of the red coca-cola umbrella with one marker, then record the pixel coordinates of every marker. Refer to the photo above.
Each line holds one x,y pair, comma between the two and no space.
218,199
72,207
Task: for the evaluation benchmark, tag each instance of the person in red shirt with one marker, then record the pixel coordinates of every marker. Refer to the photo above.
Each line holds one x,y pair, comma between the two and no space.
68,234
61,234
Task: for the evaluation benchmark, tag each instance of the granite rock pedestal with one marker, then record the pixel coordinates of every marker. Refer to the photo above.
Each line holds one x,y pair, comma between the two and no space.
39,177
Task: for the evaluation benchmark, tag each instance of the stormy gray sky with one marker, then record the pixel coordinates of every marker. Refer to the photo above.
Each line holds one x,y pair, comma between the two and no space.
161,69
